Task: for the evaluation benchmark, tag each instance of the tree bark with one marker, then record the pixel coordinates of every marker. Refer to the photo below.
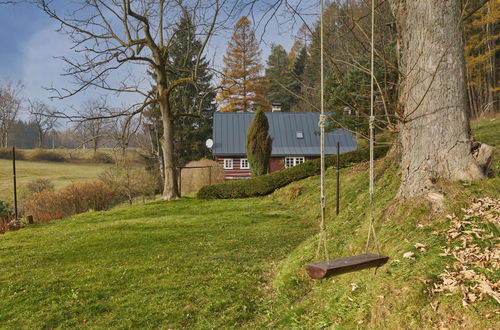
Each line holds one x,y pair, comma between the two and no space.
40,137
170,188
434,127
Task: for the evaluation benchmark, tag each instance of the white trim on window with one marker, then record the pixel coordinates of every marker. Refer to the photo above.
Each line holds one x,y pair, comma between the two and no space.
244,164
228,164
293,161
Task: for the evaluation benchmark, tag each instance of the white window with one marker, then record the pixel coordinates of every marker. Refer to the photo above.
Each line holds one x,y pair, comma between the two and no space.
244,165
228,164
293,161
300,135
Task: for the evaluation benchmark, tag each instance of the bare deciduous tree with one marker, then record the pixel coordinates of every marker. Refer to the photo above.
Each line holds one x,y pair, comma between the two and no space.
95,126
122,131
41,115
10,105
111,35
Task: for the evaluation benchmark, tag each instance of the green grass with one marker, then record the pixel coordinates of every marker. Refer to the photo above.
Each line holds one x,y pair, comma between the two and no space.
395,296
61,174
181,264
487,131
240,263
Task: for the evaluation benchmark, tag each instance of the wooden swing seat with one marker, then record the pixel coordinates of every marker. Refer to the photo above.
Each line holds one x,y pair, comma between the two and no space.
323,269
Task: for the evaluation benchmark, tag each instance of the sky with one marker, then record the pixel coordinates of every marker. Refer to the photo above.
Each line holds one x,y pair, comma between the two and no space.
29,46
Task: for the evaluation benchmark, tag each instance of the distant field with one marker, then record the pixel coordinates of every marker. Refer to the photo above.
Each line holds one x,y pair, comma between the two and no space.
61,174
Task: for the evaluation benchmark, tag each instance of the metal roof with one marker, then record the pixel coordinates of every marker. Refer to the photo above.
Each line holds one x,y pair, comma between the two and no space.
230,130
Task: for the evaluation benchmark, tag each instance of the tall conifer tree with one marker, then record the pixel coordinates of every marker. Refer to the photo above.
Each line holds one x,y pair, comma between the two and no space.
259,144
281,83
242,86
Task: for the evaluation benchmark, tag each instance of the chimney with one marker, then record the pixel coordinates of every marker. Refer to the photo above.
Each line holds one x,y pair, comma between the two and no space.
276,107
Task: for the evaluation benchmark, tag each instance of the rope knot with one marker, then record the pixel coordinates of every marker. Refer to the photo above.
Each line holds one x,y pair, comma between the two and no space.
371,121
322,121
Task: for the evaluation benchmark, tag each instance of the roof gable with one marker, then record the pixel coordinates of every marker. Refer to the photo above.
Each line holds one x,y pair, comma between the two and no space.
230,129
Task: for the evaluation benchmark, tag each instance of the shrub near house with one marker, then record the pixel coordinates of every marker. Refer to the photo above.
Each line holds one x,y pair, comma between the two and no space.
266,184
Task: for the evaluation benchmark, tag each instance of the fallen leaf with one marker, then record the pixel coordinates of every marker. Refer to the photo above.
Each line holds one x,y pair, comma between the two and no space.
408,255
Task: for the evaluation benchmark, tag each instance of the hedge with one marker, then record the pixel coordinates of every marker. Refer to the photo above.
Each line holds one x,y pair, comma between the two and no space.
266,184
6,153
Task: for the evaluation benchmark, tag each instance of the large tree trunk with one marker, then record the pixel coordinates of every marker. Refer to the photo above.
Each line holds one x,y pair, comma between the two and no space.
434,129
170,190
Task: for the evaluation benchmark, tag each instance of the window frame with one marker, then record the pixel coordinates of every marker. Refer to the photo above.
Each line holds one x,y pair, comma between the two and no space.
226,165
242,160
294,161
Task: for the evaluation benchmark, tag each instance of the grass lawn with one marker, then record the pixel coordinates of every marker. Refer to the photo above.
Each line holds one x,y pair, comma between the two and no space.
61,174
182,264
240,263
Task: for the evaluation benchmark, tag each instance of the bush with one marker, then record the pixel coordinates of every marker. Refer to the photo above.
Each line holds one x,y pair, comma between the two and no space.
39,185
259,144
73,199
6,153
266,184
104,158
4,209
46,155
129,181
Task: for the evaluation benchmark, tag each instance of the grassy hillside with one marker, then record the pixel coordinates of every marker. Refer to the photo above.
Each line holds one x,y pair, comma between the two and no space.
61,174
229,263
181,264
397,295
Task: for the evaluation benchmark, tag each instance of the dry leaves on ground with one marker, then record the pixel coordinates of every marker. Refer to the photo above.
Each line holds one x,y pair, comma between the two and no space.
472,262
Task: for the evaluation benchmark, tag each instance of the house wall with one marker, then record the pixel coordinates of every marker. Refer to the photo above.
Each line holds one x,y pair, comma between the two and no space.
275,164
236,172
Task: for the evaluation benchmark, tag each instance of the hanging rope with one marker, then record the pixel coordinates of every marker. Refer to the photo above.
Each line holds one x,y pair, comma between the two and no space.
321,124
371,228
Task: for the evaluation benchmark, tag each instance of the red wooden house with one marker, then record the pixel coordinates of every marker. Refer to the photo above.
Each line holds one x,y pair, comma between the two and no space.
295,140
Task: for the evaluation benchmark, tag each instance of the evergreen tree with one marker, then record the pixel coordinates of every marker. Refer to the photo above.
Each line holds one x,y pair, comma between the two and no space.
300,63
259,144
193,104
281,83
242,84
482,49
347,65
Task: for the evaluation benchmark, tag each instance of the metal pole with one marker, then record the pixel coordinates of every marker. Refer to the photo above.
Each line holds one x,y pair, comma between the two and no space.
14,179
338,178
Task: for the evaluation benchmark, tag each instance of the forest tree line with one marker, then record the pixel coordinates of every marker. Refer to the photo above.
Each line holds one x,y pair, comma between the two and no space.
175,117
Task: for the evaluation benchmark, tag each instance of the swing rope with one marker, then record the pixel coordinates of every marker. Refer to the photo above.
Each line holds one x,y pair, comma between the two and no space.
371,228
322,122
